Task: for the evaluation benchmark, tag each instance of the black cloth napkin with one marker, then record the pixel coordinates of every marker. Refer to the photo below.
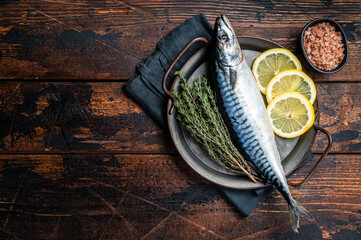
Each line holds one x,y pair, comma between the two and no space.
145,88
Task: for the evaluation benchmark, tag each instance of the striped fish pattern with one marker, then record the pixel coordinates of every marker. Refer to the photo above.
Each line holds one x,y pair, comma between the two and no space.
244,106
242,125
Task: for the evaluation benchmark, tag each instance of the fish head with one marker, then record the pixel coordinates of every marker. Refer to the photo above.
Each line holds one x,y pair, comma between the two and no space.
228,51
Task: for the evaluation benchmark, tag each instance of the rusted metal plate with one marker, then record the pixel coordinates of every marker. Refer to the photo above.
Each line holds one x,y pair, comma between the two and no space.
292,151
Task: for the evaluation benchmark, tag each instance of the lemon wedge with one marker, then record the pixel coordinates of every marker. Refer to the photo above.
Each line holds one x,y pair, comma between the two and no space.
270,63
291,81
291,114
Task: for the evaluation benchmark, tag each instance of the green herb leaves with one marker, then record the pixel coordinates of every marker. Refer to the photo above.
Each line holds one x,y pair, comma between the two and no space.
198,113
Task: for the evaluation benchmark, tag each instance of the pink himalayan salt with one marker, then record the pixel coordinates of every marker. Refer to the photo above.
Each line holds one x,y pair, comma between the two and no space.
323,45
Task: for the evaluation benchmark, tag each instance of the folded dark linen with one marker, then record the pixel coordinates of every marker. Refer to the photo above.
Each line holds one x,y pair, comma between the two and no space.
145,88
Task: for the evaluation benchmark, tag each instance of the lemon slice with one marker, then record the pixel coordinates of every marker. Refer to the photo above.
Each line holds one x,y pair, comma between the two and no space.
291,114
271,62
291,81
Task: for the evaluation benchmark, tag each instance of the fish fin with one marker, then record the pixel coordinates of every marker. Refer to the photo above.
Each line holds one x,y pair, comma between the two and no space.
233,77
304,213
294,217
295,211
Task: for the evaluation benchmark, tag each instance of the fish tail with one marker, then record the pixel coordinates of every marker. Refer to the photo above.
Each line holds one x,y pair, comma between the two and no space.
296,210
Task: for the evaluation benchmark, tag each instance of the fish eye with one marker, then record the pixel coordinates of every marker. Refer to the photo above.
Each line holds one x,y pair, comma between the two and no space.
224,37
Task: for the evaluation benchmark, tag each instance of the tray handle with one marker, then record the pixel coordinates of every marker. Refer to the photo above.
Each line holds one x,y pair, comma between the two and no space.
310,174
171,96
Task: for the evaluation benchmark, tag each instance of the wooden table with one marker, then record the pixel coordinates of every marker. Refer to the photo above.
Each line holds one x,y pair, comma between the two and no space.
79,160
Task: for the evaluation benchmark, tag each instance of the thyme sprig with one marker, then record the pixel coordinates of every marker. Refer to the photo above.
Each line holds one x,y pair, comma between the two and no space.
198,113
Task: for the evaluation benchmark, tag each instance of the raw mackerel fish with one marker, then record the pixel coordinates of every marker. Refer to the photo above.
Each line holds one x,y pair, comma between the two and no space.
246,111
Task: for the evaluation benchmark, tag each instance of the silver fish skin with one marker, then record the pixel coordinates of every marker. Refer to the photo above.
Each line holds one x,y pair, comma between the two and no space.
246,111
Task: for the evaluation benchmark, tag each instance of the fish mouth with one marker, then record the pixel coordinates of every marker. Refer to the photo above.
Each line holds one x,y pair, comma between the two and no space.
226,21
223,22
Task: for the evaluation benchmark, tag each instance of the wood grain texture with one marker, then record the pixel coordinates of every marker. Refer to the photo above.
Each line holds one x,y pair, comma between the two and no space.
80,160
106,39
152,196
76,117
98,117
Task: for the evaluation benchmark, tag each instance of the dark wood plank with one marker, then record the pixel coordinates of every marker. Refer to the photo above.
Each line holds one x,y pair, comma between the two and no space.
105,40
98,117
131,196
76,117
91,196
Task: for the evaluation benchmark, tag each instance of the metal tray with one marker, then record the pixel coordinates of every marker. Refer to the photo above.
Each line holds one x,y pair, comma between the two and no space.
292,151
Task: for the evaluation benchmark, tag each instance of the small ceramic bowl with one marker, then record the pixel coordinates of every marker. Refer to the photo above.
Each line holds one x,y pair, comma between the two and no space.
344,41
